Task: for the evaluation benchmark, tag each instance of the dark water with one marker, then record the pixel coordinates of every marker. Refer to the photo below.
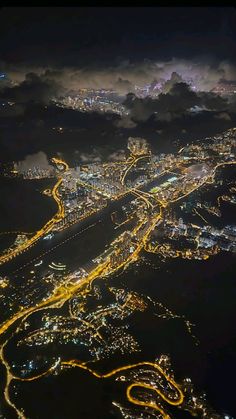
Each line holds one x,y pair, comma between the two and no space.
23,207
203,291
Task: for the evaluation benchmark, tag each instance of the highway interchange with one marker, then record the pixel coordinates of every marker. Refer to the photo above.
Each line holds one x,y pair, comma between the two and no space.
136,240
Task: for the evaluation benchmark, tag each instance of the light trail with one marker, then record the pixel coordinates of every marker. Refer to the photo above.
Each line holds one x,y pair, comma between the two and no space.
47,227
150,404
135,160
144,195
63,292
139,195
89,186
201,216
122,178
174,402
124,222
56,160
10,377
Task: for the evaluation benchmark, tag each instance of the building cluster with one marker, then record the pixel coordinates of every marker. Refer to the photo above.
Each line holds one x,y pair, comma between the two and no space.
197,404
138,146
90,100
122,248
150,223
225,88
177,237
4,282
35,172
90,330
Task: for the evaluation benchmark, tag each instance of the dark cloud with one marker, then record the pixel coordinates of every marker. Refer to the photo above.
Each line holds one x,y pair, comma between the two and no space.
34,88
49,52
123,86
227,82
49,84
213,101
175,78
11,111
178,101
115,48
202,73
232,103
125,122
223,115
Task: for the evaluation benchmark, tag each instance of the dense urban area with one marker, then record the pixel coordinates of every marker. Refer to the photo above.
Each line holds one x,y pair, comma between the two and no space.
150,203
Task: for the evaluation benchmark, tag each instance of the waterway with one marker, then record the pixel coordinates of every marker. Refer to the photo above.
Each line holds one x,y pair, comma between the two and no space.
203,291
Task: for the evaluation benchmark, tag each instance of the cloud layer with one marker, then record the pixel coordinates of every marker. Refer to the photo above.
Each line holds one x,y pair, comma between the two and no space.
178,101
203,74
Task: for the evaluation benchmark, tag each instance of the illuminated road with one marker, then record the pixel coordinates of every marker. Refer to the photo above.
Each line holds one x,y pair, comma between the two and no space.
133,162
43,247
62,294
172,401
47,227
139,236
175,400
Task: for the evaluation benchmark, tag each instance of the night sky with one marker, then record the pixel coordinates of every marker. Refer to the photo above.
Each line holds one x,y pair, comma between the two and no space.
105,36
